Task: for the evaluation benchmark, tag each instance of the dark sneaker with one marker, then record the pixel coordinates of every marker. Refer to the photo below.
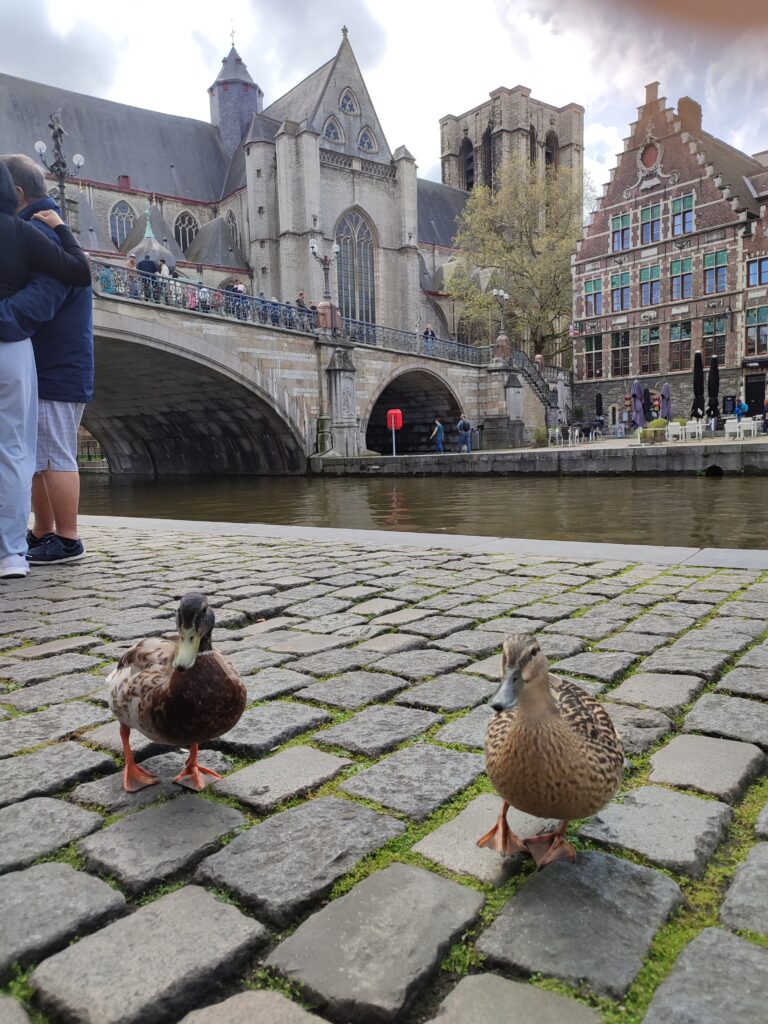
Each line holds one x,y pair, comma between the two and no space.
33,541
53,548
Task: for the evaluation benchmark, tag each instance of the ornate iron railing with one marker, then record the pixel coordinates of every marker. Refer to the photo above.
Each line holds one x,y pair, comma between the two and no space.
177,293
525,365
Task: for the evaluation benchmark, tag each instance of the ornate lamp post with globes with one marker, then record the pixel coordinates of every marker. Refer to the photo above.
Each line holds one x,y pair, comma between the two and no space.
58,168
502,341
326,313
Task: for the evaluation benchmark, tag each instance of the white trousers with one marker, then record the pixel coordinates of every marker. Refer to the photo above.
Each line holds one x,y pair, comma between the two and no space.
18,441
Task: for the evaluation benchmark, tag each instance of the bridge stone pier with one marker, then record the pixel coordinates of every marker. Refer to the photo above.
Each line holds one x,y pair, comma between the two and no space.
181,391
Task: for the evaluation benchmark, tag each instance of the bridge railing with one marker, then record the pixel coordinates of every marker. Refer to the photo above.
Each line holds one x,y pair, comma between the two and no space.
177,293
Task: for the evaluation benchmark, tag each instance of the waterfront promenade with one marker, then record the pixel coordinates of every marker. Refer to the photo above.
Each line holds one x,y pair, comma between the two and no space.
333,875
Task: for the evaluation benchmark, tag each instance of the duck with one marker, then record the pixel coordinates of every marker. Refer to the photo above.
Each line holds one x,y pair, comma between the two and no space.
551,750
178,691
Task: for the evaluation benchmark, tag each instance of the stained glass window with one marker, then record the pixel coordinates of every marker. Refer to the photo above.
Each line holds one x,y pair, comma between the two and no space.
332,131
355,266
347,102
185,229
121,221
367,141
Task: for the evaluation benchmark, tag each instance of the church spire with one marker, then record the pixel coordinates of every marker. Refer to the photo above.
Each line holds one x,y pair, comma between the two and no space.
235,98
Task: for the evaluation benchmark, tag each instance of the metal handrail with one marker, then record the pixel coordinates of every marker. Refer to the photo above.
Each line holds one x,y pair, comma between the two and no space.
524,364
121,282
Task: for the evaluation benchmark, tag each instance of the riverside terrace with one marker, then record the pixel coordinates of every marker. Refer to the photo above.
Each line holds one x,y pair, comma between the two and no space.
333,874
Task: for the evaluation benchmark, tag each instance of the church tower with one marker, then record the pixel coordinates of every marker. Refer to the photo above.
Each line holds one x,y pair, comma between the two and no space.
235,98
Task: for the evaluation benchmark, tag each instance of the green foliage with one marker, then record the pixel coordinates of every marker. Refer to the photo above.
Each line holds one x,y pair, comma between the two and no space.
540,437
652,432
520,237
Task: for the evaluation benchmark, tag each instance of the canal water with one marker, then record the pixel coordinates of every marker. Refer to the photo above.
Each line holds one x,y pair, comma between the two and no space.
676,510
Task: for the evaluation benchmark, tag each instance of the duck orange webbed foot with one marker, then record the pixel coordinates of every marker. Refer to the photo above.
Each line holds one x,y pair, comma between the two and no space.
501,837
550,846
191,775
136,777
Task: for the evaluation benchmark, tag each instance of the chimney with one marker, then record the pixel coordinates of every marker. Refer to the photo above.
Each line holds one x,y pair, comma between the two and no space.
689,112
651,92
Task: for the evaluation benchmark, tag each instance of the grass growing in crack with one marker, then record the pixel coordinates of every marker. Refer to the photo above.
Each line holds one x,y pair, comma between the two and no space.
20,988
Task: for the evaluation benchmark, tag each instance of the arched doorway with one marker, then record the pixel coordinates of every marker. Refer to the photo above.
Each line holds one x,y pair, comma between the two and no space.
421,396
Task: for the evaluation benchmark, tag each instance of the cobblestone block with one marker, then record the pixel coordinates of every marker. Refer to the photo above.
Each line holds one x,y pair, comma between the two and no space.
721,768
495,1000
667,693
635,643
54,691
108,737
756,658
44,726
291,860
708,985
109,793
477,642
735,718
354,689
290,773
745,682
686,661
247,660
454,845
44,906
506,626
49,770
274,682
142,969
251,1008
470,730
745,906
380,606
300,643
416,780
266,727
674,830
437,626
378,729
401,917
592,921
390,643
129,629
488,668
605,667
144,849
448,693
39,826
12,1012
761,826
421,664
47,668
663,621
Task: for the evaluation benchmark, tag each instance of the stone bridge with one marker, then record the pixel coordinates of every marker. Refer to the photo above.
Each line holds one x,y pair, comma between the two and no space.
182,391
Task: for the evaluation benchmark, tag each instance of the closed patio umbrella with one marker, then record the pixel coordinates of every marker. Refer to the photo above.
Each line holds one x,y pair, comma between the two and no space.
697,409
599,404
638,416
666,402
713,389
647,411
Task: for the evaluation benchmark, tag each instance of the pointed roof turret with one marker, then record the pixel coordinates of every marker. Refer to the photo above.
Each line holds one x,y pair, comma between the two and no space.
233,69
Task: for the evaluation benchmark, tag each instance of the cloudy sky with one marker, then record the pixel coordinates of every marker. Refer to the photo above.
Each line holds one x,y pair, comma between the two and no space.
421,59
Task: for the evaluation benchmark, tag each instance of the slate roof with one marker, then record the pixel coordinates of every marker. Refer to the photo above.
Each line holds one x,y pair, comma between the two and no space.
299,103
152,148
215,246
233,69
90,233
160,229
439,206
734,167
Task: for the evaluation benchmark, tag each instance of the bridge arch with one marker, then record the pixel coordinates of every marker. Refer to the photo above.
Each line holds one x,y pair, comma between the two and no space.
172,404
421,394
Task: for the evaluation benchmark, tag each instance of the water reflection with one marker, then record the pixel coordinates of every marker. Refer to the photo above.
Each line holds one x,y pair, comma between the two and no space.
678,510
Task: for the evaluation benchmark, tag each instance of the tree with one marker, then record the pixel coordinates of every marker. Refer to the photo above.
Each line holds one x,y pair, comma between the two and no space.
520,237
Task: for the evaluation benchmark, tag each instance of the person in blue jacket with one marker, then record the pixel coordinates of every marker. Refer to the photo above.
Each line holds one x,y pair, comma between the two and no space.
60,319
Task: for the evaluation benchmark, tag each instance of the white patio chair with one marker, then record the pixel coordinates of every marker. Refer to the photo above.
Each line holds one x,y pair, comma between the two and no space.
748,427
554,436
732,429
675,432
694,428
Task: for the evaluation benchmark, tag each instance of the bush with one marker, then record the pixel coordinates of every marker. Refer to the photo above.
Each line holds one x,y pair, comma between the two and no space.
540,437
650,432
578,413
681,420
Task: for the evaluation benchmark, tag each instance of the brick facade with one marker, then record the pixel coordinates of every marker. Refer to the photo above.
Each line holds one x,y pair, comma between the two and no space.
662,269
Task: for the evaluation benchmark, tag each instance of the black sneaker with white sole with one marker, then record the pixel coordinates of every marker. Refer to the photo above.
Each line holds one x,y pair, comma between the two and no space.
52,549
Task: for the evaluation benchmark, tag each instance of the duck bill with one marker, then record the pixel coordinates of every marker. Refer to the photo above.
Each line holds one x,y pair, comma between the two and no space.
186,654
508,693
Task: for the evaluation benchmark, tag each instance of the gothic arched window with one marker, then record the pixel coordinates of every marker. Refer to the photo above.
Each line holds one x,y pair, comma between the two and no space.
533,144
356,267
487,158
332,131
466,164
121,221
367,141
232,225
347,102
551,150
185,229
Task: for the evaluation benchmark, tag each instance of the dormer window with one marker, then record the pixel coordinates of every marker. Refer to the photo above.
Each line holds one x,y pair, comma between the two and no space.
332,132
367,141
347,103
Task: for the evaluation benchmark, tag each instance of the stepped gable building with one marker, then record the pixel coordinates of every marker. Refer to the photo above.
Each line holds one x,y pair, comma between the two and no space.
674,260
241,197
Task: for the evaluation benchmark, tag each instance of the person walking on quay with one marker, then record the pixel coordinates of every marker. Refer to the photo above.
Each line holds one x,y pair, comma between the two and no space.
437,435
62,320
23,250
464,427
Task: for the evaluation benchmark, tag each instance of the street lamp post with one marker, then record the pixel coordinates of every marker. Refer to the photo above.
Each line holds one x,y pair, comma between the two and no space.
326,314
58,168
501,350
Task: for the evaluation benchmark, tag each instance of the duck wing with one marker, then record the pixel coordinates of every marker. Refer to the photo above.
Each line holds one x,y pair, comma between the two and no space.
143,668
586,716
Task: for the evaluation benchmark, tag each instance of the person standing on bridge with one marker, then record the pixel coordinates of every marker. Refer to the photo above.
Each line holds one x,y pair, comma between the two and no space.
61,318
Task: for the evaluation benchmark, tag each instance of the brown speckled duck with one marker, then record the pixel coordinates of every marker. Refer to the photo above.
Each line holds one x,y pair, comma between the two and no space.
551,750
177,691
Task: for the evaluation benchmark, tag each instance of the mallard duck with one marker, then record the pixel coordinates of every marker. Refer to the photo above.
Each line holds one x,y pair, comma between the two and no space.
550,750
177,691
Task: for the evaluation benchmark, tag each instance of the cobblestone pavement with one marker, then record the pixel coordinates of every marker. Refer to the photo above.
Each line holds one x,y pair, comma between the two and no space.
333,873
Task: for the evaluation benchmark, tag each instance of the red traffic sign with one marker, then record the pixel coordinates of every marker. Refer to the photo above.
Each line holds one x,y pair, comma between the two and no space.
394,419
